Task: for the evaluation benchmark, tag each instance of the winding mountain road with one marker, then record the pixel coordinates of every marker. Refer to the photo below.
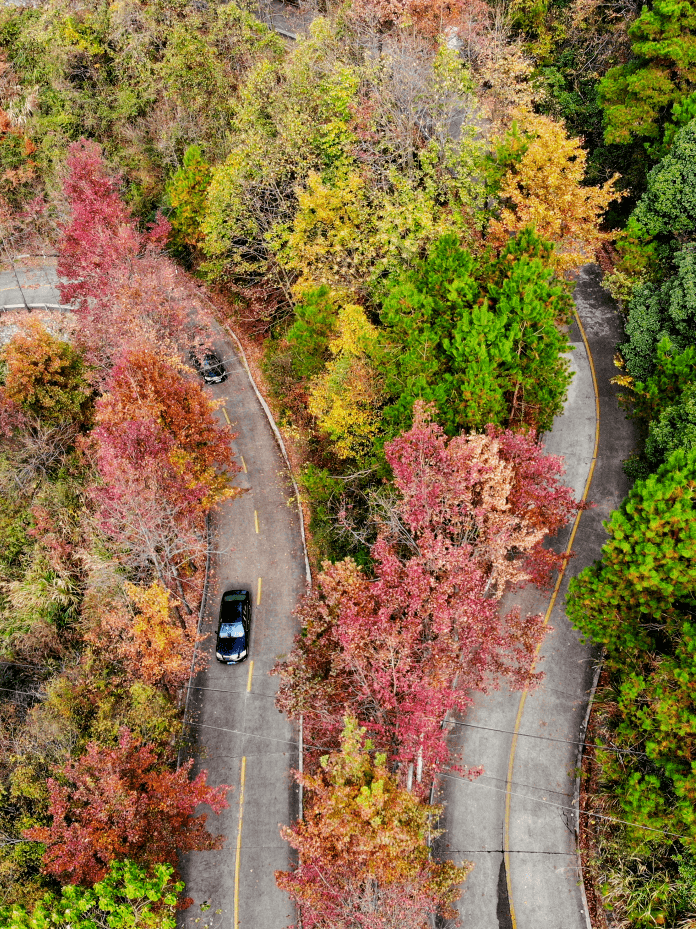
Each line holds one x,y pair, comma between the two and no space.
518,822
241,739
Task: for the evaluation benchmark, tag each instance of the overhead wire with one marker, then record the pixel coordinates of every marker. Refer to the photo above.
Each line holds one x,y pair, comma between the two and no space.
547,738
572,809
26,693
475,780
454,722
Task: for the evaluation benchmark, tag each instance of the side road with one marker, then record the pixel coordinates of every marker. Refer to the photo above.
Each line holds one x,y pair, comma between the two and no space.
241,739
517,822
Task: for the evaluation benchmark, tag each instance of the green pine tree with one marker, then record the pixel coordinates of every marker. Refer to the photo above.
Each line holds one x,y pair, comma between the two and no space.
626,601
480,339
655,92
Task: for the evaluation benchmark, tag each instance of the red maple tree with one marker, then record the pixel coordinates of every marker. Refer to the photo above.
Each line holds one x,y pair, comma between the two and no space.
123,287
101,232
156,419
124,803
400,649
162,459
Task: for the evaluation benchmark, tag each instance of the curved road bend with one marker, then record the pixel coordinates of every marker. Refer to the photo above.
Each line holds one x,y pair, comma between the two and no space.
526,872
526,868
241,739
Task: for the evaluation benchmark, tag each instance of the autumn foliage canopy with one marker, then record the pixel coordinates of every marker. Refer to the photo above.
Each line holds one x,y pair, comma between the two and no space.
401,648
364,857
122,803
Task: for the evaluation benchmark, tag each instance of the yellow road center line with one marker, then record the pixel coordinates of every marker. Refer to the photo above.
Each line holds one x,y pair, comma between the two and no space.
552,603
239,844
224,410
256,521
241,457
251,672
258,594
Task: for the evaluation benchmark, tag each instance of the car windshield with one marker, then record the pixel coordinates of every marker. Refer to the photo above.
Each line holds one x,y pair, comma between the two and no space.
231,631
231,598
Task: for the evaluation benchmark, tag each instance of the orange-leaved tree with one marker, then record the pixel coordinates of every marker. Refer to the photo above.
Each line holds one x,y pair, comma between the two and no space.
470,18
543,188
364,857
45,375
123,802
160,643
154,410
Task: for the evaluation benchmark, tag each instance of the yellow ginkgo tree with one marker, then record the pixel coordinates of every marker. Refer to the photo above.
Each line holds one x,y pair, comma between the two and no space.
543,188
346,397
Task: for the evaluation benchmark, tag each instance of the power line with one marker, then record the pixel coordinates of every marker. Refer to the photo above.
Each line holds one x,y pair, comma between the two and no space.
453,777
546,738
206,758
219,690
559,806
550,790
24,664
26,693
528,735
255,735
499,851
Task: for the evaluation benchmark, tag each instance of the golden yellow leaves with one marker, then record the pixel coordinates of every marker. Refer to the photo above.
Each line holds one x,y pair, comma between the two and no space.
159,644
507,84
345,397
544,189
327,242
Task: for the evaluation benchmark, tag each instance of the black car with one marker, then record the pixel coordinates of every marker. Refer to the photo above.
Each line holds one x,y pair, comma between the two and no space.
209,365
232,644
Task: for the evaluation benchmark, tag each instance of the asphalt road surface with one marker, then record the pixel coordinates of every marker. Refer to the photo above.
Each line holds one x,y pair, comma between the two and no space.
241,739
33,281
517,822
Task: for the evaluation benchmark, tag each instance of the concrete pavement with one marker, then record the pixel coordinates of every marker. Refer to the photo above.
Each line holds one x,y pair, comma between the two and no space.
241,739
517,822
33,279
